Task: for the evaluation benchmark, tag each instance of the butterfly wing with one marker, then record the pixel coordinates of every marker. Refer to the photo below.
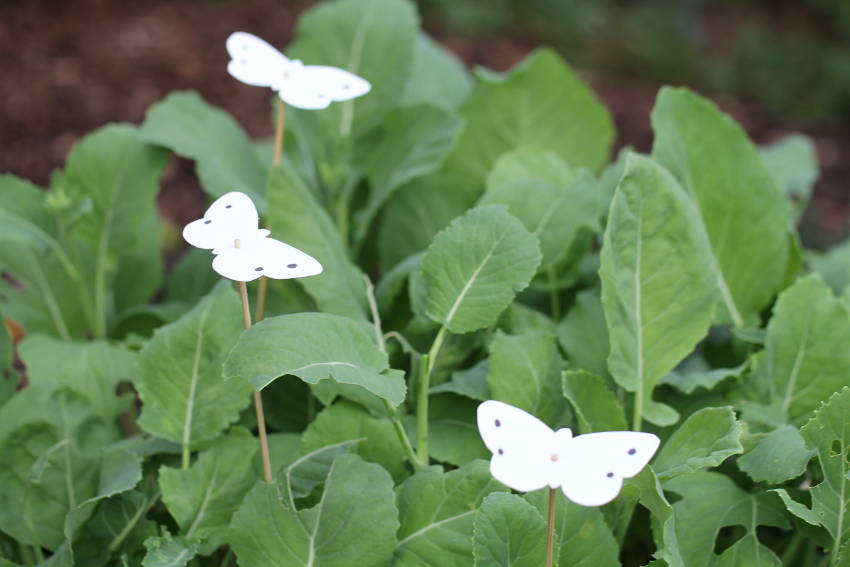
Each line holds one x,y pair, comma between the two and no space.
254,61
231,216
316,86
596,464
265,257
521,444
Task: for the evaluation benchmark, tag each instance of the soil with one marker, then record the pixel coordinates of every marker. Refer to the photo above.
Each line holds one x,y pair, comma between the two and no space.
67,67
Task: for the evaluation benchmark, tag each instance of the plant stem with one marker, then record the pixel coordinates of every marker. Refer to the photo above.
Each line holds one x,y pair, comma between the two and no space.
25,554
427,363
637,418
793,547
550,527
260,308
258,400
398,426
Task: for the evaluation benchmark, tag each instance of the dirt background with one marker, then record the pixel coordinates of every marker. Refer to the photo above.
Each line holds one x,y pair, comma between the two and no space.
67,67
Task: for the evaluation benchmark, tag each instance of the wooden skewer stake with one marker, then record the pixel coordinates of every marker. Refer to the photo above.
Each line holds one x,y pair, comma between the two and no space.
258,400
260,310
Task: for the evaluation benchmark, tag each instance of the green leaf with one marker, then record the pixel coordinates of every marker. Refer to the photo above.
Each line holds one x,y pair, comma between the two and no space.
180,381
191,277
354,522
828,434
779,456
52,460
471,383
194,129
411,142
540,104
688,381
168,551
296,218
474,268
345,421
710,501
551,199
93,369
112,179
314,347
374,39
437,77
45,288
793,163
707,438
594,404
508,532
833,265
453,432
583,334
525,371
304,474
654,249
710,155
140,269
664,522
436,512
804,360
583,537
202,499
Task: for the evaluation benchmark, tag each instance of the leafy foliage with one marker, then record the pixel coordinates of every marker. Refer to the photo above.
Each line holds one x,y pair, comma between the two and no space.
511,259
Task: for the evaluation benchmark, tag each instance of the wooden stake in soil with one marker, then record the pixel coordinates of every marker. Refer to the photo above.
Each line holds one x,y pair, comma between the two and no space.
258,400
550,528
260,309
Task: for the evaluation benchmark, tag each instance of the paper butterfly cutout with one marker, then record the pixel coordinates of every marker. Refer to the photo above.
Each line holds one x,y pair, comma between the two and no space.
257,63
528,455
244,252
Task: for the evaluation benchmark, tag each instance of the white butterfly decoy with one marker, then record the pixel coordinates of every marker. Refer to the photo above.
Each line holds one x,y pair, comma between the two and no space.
244,252
255,62
589,468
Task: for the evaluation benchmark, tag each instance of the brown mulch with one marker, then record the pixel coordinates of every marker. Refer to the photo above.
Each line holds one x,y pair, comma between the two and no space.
67,67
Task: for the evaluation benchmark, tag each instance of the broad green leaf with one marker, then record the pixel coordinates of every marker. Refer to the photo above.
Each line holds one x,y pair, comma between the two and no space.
51,464
547,195
194,129
804,360
828,434
418,211
309,470
45,288
594,404
509,532
437,77
93,369
140,269
411,142
112,179
833,265
654,250
779,456
436,513
203,498
474,268
583,537
525,371
191,277
297,218
393,282
710,155
707,438
519,318
452,429
354,523
471,383
540,104
374,39
793,163
120,471
687,380
646,488
345,421
583,334
710,501
180,383
168,551
314,347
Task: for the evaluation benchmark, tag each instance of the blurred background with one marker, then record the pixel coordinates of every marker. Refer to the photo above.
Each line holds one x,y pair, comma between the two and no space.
778,66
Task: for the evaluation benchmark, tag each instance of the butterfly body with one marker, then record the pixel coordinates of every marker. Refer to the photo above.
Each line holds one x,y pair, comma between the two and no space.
255,62
528,455
244,252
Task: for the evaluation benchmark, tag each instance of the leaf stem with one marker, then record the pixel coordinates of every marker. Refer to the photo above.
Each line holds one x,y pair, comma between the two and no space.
398,426
637,418
550,527
258,400
427,363
793,547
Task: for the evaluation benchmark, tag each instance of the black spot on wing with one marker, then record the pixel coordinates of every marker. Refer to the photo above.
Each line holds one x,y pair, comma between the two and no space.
632,451
610,475
291,266
498,423
501,452
260,269
207,221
